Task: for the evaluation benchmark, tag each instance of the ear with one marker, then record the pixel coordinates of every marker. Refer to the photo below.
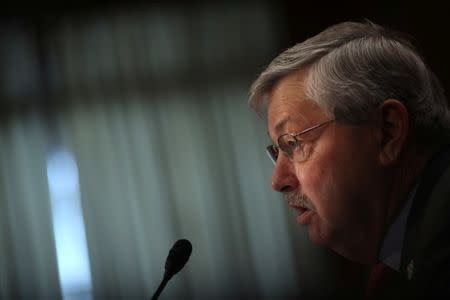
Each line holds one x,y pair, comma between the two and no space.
394,129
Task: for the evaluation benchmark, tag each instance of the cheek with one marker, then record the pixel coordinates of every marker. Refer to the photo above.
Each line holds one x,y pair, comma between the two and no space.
319,185
331,187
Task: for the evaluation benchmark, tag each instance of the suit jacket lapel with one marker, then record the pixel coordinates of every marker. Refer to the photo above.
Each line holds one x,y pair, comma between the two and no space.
428,202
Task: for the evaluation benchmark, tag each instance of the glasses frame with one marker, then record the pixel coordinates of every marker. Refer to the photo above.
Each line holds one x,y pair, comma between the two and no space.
274,150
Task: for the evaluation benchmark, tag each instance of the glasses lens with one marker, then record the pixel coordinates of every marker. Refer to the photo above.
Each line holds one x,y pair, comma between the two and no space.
287,144
272,152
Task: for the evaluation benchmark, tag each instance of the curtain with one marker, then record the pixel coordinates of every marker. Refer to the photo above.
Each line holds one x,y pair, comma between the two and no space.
142,136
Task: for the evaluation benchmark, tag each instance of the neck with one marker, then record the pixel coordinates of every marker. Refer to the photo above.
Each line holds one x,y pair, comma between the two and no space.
388,200
404,177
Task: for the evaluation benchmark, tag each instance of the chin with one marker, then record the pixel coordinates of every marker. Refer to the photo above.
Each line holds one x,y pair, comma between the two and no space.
358,256
324,239
317,237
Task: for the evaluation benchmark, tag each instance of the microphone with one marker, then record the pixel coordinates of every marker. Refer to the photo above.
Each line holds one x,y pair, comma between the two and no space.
176,259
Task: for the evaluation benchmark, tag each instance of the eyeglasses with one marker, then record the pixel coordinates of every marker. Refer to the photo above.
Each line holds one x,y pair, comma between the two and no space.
290,145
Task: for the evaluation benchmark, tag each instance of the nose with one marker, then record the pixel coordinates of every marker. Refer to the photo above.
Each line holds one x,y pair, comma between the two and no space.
284,178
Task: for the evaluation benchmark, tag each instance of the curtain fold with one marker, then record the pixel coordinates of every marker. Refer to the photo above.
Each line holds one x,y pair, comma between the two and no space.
152,106
28,255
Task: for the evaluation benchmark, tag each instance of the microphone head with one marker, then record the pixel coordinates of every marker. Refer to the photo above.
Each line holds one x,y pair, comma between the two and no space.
178,256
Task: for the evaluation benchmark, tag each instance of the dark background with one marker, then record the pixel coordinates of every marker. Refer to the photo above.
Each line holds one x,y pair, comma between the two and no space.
425,21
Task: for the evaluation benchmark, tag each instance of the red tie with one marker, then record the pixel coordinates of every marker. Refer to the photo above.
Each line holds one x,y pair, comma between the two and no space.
382,281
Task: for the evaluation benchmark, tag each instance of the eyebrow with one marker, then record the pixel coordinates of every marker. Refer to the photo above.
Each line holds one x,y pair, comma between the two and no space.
280,125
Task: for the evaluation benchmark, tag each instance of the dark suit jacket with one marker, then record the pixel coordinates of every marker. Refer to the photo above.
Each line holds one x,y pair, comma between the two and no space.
425,261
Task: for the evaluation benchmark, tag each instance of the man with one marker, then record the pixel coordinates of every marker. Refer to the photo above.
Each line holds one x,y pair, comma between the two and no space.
360,126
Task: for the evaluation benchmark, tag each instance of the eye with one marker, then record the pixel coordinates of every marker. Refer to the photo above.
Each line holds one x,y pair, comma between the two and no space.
290,145
296,148
291,142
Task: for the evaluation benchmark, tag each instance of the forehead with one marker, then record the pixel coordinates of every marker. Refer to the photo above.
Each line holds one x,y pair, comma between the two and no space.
288,107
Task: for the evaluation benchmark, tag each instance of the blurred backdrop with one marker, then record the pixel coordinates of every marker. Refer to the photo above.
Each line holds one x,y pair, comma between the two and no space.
124,127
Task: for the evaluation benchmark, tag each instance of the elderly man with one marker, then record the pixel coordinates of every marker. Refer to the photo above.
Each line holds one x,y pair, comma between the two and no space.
360,127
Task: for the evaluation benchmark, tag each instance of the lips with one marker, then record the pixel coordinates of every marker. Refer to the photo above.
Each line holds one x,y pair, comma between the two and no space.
304,215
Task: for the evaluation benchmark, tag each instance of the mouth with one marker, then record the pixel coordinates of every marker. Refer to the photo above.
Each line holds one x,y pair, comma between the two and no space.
304,214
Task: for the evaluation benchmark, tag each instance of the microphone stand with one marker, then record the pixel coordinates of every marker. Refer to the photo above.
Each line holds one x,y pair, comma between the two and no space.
163,283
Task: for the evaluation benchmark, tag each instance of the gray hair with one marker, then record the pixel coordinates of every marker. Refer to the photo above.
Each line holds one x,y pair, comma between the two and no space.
352,68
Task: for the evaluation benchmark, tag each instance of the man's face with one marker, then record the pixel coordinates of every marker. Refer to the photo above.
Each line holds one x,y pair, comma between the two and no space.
337,190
